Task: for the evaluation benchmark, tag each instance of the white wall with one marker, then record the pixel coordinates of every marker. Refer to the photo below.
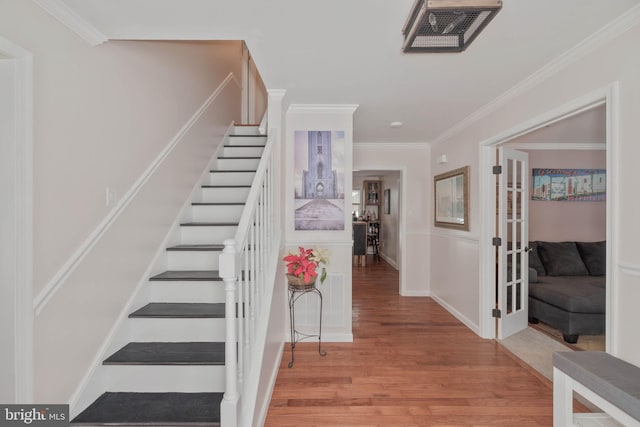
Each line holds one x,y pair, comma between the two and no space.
336,323
102,116
8,232
413,162
390,223
594,70
557,221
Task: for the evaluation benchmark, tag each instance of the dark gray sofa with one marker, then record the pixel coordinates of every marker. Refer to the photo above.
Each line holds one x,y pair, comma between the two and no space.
569,290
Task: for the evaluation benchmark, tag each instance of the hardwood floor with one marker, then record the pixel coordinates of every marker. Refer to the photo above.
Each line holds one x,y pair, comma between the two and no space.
411,364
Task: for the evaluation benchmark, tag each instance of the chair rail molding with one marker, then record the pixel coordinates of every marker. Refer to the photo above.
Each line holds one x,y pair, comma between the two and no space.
74,22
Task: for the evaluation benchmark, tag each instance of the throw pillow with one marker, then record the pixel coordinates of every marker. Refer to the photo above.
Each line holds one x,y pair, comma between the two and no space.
561,259
534,259
594,256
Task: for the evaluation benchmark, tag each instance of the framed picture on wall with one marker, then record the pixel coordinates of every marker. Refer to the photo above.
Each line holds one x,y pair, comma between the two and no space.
451,194
319,180
387,201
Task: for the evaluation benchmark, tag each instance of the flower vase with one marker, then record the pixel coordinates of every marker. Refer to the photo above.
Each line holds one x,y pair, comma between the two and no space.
298,283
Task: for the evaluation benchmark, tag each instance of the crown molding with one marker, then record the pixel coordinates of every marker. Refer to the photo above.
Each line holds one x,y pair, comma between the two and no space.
607,33
323,108
69,18
557,145
391,145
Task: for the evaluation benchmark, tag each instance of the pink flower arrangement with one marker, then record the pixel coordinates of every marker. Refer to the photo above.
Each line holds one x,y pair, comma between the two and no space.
304,263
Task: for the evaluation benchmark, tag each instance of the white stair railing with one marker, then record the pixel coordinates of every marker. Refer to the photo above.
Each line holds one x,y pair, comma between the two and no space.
246,264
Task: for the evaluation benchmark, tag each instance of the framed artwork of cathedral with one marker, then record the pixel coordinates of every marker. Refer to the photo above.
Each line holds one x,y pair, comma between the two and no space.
319,180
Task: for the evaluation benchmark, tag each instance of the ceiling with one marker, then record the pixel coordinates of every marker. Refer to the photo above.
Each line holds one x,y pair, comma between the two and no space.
349,52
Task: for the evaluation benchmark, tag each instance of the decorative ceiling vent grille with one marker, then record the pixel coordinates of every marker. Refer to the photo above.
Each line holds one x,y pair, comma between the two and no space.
446,25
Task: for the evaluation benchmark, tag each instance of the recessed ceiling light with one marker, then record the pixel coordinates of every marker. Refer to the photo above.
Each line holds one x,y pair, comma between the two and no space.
396,124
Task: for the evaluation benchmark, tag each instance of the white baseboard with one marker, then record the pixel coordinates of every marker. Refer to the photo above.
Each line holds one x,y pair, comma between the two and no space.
468,323
264,405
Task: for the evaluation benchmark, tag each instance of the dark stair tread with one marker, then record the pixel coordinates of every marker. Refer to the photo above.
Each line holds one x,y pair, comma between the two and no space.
250,135
243,146
232,171
196,247
153,409
187,275
180,310
227,186
168,353
208,224
239,157
218,204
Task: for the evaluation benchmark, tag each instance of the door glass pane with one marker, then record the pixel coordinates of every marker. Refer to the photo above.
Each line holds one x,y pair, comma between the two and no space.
519,296
509,299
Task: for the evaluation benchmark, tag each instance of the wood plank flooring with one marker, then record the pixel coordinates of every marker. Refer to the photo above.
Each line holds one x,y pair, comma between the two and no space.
411,364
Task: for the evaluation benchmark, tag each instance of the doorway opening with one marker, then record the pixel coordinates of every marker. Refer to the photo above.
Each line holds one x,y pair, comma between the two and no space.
604,99
380,203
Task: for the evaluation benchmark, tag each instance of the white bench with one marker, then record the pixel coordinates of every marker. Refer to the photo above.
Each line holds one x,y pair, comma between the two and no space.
611,384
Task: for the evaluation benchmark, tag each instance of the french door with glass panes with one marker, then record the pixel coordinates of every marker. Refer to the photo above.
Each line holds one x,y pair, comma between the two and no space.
512,243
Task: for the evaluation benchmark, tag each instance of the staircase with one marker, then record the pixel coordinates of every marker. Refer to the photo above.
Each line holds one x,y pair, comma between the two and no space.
172,371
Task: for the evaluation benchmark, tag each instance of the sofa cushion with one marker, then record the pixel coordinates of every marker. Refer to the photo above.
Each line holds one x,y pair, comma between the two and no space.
534,259
594,256
561,259
570,295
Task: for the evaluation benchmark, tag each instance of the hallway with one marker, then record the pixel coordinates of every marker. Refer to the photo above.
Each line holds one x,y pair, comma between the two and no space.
411,363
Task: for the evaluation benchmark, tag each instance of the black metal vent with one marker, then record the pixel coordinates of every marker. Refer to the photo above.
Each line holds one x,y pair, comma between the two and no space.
446,25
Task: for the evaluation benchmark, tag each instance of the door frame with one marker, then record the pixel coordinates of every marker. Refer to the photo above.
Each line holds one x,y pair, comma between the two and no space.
22,244
608,96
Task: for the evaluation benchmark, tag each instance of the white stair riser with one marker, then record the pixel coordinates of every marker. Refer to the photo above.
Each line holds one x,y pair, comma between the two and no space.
224,194
246,130
238,164
216,213
192,260
177,330
246,140
233,151
207,292
164,378
231,178
207,234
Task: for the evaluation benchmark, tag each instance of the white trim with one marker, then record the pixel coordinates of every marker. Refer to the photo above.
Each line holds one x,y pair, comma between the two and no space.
453,235
336,337
59,278
391,145
23,164
263,410
317,243
391,262
322,108
630,269
607,33
74,22
557,146
466,321
417,294
608,96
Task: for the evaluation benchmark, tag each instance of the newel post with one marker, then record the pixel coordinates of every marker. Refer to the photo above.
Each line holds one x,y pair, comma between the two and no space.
229,274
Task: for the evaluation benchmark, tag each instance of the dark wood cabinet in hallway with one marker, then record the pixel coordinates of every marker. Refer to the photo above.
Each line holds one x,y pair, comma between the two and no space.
411,364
